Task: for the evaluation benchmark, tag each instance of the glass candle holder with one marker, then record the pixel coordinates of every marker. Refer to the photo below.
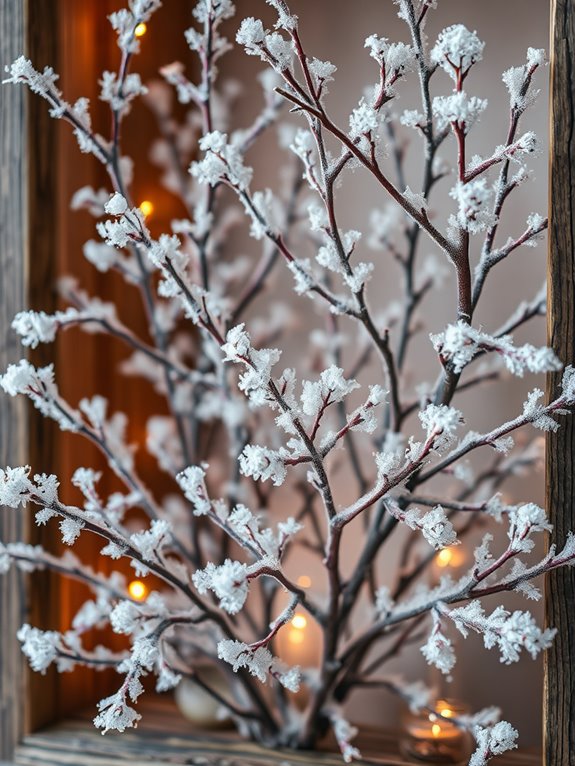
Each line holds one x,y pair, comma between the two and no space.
430,738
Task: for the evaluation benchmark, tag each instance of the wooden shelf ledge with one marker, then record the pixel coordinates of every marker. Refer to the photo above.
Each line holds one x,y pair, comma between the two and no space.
164,738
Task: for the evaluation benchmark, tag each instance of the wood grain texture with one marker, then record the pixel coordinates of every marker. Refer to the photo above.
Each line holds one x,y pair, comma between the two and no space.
42,48
163,737
559,703
12,412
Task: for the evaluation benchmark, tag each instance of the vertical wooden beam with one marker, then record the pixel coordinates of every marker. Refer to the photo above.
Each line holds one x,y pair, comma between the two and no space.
13,243
559,701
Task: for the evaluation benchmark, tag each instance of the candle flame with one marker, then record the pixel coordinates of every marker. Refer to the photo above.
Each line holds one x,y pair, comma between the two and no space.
140,29
137,590
146,207
436,730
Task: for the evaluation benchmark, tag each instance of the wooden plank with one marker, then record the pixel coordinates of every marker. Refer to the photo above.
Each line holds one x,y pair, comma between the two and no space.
164,737
12,412
41,184
559,699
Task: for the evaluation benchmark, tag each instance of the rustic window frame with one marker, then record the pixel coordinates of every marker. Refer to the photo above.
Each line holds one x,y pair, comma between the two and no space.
28,147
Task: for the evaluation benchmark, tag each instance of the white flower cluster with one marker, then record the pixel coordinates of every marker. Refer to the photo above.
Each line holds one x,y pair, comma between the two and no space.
120,93
363,121
456,50
217,10
263,463
151,541
228,581
328,256
344,732
271,47
223,161
509,632
517,81
255,381
474,200
259,662
38,385
457,109
128,225
125,21
460,343
524,521
434,525
438,650
492,741
395,59
440,422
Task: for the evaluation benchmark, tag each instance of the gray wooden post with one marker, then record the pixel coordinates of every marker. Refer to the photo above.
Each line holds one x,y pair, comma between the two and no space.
13,243
559,696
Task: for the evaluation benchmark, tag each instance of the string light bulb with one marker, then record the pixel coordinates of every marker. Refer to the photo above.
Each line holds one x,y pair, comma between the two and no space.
304,581
444,557
146,207
138,590
436,730
299,622
140,29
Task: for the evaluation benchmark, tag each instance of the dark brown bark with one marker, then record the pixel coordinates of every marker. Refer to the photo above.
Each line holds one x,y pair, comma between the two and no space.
559,703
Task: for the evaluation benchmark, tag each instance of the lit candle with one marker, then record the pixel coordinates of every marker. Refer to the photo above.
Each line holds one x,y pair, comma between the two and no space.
433,738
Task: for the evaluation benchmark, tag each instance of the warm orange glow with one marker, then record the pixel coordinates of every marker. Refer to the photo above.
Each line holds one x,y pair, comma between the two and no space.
436,730
141,29
444,557
137,590
296,636
304,581
447,713
146,207
299,622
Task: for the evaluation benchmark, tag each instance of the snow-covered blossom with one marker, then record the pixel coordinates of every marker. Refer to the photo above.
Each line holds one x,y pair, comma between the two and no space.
39,646
474,200
259,662
460,343
70,530
458,108
119,93
344,732
434,525
251,35
438,650
38,384
322,71
509,632
115,714
192,482
442,421
263,463
223,161
218,10
15,486
331,387
286,20
524,521
229,582
364,120
492,741
150,542
457,49
125,21
43,83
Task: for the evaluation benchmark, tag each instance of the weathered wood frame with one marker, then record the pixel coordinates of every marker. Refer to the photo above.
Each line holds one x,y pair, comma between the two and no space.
25,215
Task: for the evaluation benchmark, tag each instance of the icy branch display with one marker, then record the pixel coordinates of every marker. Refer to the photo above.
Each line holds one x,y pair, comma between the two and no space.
227,541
